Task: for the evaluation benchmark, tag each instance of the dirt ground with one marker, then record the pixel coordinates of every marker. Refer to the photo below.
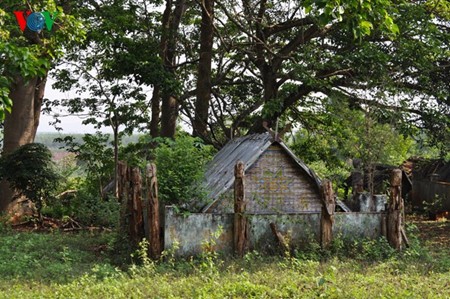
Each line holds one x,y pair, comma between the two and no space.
435,234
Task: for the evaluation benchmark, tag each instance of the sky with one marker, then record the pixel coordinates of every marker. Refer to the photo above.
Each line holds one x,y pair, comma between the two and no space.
69,124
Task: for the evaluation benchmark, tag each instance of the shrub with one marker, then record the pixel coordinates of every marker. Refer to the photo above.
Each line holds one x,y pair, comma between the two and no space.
30,171
180,165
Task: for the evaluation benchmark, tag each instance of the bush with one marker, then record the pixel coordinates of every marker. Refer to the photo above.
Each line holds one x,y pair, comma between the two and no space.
30,171
180,164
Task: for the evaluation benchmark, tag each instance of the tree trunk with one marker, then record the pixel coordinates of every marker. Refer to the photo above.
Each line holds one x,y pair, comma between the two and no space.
169,115
116,158
21,124
156,109
171,23
204,70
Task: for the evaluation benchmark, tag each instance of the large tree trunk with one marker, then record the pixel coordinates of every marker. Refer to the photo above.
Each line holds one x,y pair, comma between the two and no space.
21,124
169,115
171,23
204,69
156,109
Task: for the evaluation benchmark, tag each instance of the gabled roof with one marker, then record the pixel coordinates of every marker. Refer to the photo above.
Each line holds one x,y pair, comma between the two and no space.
220,171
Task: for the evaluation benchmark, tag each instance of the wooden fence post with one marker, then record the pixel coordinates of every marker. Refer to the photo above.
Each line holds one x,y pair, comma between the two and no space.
123,186
394,217
240,220
134,205
153,211
327,215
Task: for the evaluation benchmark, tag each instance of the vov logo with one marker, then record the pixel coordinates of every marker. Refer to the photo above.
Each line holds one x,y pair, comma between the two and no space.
35,21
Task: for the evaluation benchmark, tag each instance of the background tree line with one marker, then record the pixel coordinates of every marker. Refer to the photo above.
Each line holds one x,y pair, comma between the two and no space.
222,68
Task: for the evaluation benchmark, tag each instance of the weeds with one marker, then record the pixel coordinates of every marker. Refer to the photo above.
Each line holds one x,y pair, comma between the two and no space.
72,267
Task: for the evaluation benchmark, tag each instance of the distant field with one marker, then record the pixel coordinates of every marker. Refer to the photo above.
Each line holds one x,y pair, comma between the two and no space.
49,139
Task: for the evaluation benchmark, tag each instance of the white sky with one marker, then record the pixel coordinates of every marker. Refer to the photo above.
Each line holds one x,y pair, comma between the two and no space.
70,124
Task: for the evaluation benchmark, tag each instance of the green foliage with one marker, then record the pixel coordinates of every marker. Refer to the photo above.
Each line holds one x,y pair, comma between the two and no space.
95,157
50,257
31,55
30,171
332,137
87,208
180,164
74,267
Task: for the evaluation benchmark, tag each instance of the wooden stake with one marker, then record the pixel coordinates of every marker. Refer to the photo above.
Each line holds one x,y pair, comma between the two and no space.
240,221
136,223
327,215
154,229
394,217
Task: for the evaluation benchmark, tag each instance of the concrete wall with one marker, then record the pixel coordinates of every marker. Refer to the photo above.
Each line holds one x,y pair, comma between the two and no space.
357,225
193,230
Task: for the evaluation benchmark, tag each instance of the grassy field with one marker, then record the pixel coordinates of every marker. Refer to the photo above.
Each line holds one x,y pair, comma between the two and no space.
87,265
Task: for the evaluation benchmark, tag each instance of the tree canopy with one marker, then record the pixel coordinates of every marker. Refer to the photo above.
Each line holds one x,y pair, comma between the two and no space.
272,60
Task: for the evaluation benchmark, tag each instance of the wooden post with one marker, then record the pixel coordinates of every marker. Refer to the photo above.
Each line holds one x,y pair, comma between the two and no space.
357,188
134,205
122,181
327,215
240,221
153,211
123,186
394,217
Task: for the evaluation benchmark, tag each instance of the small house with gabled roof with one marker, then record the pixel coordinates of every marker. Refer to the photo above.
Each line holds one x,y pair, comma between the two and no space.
276,181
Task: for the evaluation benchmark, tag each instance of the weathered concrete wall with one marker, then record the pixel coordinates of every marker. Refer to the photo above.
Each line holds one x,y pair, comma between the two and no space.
366,204
298,228
193,230
357,225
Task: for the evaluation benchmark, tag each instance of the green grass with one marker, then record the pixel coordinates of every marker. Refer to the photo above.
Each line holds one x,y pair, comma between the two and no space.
55,265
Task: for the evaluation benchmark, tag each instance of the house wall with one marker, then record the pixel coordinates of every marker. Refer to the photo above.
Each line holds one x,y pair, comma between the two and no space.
186,234
274,184
428,191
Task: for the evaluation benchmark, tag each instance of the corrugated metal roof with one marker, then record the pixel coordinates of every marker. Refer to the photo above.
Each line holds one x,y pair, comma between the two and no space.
220,171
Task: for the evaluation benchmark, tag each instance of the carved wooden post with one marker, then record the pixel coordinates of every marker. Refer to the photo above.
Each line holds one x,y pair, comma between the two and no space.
153,211
122,181
136,223
240,221
394,217
357,188
123,186
327,215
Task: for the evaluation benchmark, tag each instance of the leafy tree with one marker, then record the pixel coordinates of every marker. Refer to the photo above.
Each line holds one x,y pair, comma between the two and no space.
94,156
272,58
25,59
180,166
30,171
337,133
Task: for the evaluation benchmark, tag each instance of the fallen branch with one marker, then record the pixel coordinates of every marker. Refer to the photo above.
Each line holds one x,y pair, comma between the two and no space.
280,238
